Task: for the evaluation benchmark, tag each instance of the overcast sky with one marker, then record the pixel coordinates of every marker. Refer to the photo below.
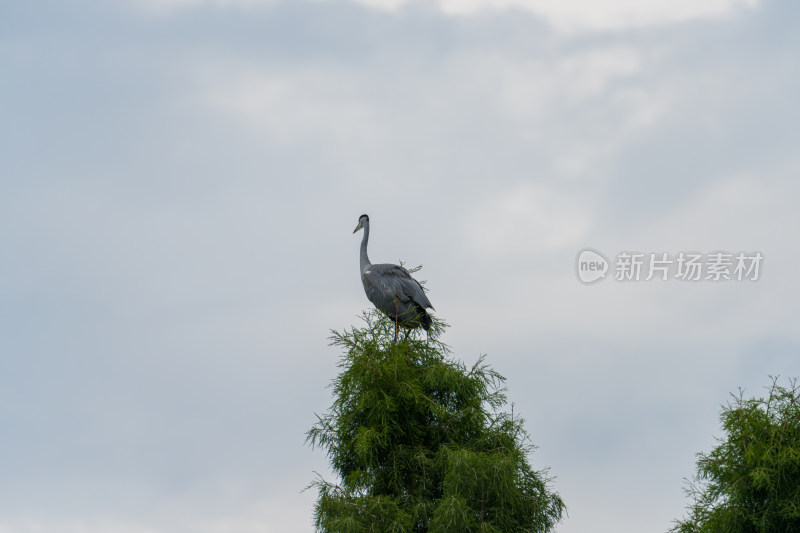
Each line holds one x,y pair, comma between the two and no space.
179,181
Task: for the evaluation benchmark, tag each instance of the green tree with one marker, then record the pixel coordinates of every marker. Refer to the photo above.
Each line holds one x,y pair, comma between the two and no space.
419,443
750,482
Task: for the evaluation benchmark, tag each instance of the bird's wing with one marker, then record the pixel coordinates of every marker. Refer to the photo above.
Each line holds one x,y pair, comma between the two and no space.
405,287
414,291
387,269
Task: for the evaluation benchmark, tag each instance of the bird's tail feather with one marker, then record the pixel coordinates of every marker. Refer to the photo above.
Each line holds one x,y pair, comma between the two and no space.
426,320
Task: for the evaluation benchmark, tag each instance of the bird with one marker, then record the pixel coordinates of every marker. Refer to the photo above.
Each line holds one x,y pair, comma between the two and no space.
392,289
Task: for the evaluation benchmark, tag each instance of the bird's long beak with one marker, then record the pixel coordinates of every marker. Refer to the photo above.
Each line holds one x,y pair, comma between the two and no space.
358,227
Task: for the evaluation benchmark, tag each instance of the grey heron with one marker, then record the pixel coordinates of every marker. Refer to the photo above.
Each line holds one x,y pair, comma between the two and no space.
392,289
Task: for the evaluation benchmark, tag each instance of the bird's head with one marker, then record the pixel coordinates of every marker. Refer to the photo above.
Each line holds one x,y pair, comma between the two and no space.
363,220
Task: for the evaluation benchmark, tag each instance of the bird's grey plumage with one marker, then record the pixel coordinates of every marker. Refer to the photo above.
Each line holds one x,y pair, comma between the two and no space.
392,289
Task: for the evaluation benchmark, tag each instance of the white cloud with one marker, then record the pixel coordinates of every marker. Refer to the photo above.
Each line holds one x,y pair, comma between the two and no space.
163,7
607,15
566,15
526,99
529,87
278,514
293,106
530,218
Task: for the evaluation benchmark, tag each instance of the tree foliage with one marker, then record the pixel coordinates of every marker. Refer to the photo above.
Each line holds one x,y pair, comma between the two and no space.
750,482
420,444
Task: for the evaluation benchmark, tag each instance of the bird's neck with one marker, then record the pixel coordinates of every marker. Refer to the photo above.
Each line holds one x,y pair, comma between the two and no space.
365,264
